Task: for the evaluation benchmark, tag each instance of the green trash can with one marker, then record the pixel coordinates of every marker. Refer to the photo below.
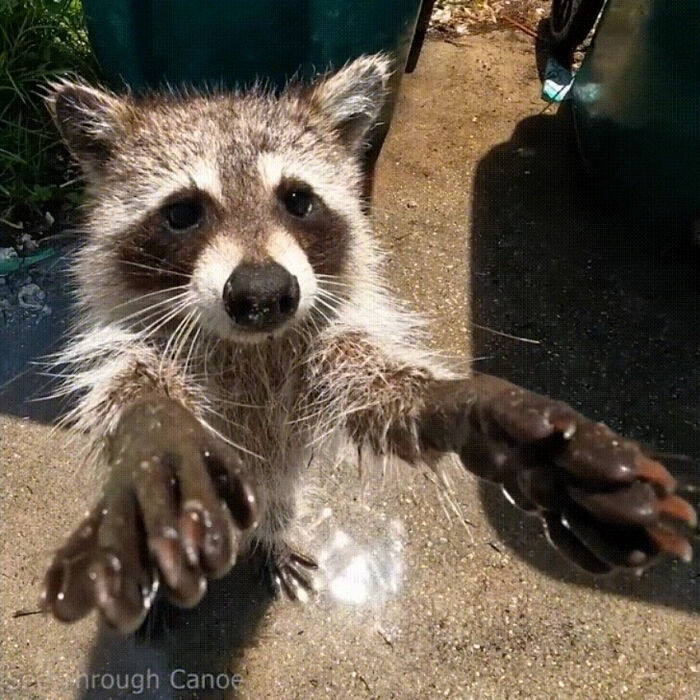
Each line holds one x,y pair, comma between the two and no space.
148,43
636,103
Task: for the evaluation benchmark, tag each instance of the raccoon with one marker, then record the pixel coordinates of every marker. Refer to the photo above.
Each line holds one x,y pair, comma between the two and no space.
234,321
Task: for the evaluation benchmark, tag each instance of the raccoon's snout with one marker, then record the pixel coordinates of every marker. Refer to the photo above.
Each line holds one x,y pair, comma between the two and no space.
261,297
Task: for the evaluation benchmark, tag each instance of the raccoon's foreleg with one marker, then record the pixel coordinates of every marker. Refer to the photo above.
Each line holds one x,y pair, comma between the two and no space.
173,501
604,503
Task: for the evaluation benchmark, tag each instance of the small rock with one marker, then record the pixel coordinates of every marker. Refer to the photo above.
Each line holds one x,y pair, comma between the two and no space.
27,244
411,204
31,296
7,254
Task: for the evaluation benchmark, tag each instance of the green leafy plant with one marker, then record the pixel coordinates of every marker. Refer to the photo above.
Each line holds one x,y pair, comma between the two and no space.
39,40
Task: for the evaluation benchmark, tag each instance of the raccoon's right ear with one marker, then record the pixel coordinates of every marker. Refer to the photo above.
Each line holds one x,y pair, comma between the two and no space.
352,99
91,121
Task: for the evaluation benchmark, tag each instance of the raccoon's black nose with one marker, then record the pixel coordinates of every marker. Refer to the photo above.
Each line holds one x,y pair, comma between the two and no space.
261,297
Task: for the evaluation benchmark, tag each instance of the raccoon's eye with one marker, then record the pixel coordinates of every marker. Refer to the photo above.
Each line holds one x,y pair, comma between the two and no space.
183,215
298,202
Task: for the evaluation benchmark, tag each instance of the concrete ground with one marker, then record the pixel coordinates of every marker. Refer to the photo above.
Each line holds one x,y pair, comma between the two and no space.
419,602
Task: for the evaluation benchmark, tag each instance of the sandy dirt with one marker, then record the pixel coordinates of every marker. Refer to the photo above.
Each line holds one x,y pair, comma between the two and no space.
470,607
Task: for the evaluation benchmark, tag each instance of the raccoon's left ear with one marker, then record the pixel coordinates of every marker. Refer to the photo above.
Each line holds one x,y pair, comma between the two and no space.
352,98
91,121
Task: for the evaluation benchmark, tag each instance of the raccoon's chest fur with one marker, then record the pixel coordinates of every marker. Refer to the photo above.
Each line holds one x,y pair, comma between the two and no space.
256,398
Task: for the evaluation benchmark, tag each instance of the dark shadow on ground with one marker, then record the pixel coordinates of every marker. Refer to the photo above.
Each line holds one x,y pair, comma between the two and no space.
615,308
200,647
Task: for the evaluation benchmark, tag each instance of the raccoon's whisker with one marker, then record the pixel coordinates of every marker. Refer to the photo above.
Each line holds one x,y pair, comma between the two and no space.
304,332
334,280
326,305
190,339
182,339
331,286
196,352
171,265
205,356
320,313
194,342
160,322
329,292
333,289
336,302
211,349
156,307
152,329
152,268
183,335
228,441
173,339
152,307
149,294
209,409
328,313
150,324
226,419
310,327
323,317
306,416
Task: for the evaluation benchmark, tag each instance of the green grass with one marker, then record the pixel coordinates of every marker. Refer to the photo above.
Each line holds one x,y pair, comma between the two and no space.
39,40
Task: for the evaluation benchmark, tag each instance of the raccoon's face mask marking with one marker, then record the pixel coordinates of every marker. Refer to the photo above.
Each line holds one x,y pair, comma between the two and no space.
161,250
320,231
249,203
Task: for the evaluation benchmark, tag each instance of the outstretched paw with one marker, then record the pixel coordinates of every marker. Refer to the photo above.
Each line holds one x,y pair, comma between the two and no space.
289,571
170,517
605,503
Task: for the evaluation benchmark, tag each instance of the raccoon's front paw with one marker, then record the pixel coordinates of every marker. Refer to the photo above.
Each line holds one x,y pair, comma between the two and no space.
605,503
170,515
286,570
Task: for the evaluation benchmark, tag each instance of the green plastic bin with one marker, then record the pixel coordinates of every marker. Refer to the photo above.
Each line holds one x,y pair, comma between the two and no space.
147,42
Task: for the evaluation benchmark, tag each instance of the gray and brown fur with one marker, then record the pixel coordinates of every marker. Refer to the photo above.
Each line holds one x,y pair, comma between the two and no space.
353,360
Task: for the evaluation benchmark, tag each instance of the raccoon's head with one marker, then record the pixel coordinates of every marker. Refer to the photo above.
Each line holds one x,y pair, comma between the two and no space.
242,211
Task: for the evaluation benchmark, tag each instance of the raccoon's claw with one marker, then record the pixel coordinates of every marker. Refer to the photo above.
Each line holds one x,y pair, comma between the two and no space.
170,515
288,572
605,504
